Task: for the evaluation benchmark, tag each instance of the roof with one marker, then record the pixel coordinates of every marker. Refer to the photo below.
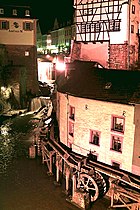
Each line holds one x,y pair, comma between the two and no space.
121,86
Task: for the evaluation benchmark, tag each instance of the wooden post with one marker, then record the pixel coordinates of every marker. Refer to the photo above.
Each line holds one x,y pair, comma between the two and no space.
57,169
112,194
51,165
67,179
43,154
74,184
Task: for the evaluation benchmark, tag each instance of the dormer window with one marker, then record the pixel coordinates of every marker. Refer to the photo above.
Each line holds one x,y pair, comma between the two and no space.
27,13
14,12
108,85
1,11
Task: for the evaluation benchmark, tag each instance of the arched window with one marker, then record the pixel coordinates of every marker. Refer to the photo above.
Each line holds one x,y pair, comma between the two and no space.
27,12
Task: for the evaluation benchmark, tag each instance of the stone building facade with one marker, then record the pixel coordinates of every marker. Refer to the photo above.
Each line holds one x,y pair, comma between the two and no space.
18,37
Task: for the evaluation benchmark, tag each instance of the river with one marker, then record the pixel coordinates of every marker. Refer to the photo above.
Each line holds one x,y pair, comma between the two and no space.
24,182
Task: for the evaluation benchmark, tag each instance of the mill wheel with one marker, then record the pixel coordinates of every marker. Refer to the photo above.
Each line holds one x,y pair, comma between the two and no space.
87,184
95,185
102,182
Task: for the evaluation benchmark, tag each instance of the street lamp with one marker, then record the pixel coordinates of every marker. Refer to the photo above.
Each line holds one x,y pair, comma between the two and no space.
59,66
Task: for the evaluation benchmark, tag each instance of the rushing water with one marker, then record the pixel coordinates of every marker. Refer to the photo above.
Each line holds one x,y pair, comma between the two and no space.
24,182
14,133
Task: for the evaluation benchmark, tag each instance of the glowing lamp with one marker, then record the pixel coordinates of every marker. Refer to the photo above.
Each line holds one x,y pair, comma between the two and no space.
60,66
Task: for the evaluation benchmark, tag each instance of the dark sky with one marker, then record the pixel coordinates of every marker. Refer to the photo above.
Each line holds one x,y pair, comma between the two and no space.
47,10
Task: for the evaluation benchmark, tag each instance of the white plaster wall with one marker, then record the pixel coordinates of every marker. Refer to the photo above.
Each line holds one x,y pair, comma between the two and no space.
63,104
98,117
18,36
121,36
93,52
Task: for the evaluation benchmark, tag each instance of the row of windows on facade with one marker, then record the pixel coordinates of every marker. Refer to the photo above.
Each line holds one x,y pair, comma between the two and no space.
108,9
65,33
117,126
103,25
4,25
15,12
99,26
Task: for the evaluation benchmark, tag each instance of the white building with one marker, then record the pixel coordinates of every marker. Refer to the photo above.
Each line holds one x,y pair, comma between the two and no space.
98,110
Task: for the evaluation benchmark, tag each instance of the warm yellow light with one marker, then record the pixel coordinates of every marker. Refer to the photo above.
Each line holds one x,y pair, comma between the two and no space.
3,88
60,66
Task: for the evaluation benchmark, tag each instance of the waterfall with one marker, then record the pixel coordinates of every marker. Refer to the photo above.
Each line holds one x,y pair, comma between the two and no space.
38,102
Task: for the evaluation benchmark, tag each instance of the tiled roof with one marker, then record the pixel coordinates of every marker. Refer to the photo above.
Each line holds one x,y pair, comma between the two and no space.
121,86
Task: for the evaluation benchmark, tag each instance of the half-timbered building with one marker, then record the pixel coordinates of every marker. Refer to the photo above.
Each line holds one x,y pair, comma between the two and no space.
107,31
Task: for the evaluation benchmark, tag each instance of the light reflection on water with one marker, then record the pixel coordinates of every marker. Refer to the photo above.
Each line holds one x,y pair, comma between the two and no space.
12,140
24,183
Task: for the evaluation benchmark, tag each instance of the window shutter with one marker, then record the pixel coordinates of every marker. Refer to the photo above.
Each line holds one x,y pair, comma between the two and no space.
7,25
31,26
23,25
0,24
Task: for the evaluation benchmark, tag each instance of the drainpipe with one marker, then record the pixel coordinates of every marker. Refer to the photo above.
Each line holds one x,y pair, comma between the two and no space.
67,117
129,24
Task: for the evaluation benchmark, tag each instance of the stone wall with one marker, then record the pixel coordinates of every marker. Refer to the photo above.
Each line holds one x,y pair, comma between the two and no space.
75,51
118,56
25,56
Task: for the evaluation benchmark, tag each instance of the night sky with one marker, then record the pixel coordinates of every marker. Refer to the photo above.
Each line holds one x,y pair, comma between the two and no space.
47,10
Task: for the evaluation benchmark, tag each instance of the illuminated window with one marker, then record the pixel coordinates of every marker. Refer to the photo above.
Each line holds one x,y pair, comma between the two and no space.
92,27
27,26
97,27
114,25
87,27
4,25
115,165
85,12
117,25
72,113
118,124
108,85
90,11
1,11
111,25
132,29
83,28
133,9
94,137
26,53
116,143
27,13
71,129
14,12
